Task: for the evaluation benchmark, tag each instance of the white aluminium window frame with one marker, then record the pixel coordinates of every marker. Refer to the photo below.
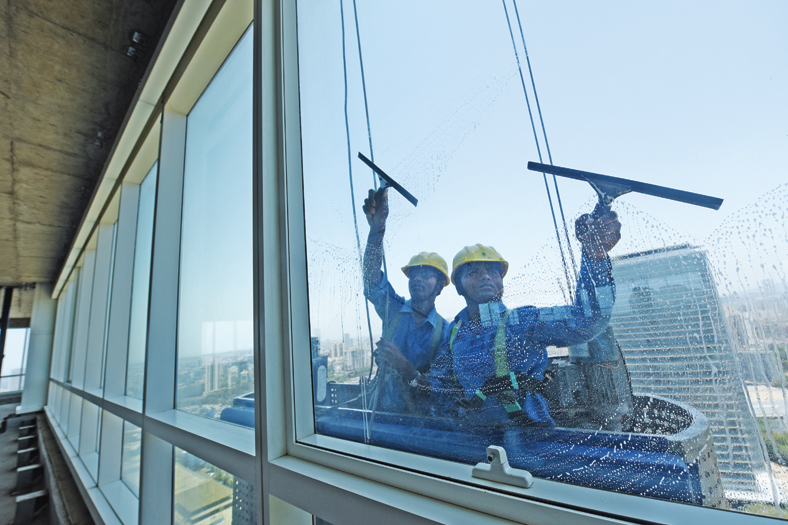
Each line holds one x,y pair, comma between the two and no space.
201,36
339,480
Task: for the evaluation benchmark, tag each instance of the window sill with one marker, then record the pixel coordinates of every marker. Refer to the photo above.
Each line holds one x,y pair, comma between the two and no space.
91,462
327,493
123,501
433,479
127,408
97,504
227,446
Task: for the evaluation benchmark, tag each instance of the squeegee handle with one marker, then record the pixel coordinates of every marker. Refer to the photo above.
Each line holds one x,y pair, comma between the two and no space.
600,209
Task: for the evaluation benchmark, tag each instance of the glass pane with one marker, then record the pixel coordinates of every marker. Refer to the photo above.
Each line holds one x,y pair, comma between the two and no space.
215,308
109,302
138,323
205,494
82,320
68,329
74,419
90,437
10,383
659,371
130,467
14,359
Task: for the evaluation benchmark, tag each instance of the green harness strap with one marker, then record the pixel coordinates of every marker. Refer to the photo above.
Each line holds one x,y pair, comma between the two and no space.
392,326
436,339
451,349
507,398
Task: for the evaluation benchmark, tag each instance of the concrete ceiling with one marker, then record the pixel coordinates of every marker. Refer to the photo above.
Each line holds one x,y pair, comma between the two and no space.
67,81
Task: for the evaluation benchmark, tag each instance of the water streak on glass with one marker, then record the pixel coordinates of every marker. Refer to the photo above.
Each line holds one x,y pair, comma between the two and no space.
667,382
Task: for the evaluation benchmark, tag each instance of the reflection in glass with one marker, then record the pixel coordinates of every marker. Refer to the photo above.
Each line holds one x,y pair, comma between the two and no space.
74,419
108,303
130,466
63,328
205,494
660,371
68,332
215,334
138,323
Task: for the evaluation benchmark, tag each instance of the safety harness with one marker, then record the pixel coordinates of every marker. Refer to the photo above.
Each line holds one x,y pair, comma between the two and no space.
506,396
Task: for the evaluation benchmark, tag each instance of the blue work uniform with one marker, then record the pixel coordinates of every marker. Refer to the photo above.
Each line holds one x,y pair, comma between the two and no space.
413,341
467,359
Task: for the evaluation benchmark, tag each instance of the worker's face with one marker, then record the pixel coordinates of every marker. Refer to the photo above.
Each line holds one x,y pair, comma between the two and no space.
423,283
482,282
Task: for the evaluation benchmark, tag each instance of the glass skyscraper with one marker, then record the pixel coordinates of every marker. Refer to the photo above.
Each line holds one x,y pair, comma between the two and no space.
676,342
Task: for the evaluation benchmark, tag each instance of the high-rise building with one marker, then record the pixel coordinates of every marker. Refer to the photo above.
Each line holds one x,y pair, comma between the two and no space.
338,350
676,342
232,376
211,375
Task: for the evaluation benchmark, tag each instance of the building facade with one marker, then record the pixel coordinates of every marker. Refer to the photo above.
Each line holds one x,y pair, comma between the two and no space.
205,216
677,343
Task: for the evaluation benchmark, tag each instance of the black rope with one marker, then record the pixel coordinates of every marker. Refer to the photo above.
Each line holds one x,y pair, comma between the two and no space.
547,144
366,106
539,151
383,372
350,176
374,178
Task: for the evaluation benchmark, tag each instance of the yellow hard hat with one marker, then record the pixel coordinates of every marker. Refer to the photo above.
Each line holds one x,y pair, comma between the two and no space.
480,253
428,259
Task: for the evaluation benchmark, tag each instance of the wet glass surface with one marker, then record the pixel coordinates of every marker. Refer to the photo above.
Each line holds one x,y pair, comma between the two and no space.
660,371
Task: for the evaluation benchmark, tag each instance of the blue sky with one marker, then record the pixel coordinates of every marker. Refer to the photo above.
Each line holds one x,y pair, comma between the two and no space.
690,96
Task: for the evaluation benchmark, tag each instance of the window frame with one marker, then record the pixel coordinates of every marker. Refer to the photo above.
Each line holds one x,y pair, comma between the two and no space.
199,38
394,482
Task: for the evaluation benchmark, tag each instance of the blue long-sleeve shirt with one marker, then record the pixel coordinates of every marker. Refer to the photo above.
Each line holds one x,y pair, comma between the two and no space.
461,369
413,341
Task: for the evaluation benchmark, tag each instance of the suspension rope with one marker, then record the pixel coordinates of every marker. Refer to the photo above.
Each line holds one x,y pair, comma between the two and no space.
366,106
374,177
353,205
383,373
539,151
547,144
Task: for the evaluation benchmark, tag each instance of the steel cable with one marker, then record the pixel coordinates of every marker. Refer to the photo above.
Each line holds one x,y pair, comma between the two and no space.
547,144
539,151
353,206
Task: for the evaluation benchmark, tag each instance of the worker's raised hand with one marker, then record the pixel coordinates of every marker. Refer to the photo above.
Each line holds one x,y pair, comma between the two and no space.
376,208
598,236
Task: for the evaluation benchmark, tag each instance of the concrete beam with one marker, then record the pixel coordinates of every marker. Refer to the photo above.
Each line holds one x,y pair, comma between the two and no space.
66,86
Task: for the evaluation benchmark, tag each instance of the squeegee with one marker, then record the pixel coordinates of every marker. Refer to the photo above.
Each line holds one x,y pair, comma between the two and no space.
386,181
610,188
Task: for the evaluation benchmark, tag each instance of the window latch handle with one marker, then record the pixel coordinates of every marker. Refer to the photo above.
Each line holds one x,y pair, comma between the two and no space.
498,469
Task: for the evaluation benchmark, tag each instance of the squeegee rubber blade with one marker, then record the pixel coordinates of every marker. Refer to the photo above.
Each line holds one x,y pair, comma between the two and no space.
654,190
394,184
